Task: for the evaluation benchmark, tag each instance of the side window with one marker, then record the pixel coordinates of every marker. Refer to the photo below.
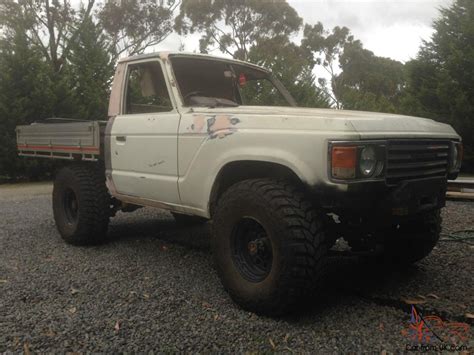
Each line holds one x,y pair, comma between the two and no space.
146,89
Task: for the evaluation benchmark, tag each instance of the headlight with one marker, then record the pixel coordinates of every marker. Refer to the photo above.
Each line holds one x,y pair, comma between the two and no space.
456,157
367,161
357,161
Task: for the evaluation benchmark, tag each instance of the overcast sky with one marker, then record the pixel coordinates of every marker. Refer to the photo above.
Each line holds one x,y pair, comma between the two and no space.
389,28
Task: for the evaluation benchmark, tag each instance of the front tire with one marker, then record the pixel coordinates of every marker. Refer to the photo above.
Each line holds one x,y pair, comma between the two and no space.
268,245
81,205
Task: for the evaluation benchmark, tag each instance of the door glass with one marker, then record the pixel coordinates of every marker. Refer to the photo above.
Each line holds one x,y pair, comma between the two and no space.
146,89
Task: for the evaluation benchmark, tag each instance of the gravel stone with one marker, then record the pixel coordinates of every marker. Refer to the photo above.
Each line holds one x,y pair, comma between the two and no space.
153,287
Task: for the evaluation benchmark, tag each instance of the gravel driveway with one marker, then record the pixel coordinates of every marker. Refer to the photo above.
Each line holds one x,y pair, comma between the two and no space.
153,287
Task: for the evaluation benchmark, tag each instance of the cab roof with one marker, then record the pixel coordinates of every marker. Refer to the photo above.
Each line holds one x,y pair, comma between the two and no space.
165,55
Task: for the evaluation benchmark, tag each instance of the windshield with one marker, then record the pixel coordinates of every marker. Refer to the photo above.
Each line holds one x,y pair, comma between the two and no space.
205,82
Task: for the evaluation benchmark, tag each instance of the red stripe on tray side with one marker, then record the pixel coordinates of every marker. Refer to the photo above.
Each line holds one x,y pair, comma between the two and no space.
57,147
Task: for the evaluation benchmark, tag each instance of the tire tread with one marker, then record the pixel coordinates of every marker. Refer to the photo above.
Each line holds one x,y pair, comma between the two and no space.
305,242
95,199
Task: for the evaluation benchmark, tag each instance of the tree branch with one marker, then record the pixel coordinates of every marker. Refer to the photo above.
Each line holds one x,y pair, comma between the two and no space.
219,42
71,40
40,43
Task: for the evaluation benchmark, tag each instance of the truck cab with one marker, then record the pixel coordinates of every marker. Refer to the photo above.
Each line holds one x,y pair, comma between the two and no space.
218,139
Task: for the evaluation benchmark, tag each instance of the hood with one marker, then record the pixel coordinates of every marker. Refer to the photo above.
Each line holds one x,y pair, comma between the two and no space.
369,125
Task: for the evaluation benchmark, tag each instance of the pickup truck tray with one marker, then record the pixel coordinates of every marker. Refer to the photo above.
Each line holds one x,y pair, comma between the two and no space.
65,140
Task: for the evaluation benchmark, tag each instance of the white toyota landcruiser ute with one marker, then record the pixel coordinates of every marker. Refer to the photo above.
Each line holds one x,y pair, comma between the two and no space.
222,140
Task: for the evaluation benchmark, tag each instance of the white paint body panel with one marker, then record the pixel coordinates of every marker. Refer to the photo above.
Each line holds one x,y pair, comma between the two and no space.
175,158
145,164
143,147
293,137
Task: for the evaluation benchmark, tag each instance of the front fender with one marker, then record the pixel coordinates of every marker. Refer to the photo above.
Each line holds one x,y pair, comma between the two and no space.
304,153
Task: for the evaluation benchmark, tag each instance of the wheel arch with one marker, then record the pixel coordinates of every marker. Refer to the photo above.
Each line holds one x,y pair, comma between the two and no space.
239,170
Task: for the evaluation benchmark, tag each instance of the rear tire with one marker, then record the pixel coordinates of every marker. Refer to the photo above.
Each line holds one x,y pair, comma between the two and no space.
268,246
411,241
81,205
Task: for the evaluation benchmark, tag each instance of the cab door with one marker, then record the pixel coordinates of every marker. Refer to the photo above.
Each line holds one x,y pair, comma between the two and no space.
144,136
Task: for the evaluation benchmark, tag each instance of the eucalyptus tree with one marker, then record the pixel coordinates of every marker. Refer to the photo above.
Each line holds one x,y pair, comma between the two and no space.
53,26
233,27
326,48
293,67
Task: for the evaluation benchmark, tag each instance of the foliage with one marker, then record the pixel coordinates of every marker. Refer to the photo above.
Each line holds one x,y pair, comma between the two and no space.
368,82
26,94
326,47
235,26
440,81
129,26
134,25
92,68
51,26
292,66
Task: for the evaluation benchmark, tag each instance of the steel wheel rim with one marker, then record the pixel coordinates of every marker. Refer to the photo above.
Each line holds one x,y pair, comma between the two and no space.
70,206
252,251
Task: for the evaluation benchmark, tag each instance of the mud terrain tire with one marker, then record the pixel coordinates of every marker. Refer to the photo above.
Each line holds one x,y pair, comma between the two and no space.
81,205
262,217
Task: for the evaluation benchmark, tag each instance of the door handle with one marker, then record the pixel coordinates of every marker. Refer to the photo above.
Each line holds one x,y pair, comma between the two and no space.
121,138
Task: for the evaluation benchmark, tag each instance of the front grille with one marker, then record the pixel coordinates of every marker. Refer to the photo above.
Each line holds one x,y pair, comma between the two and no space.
407,160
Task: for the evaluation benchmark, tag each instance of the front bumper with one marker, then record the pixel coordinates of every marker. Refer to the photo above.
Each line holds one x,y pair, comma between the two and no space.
406,198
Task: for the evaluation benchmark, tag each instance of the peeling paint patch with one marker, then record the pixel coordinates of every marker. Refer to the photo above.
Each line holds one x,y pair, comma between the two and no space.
221,126
217,126
198,123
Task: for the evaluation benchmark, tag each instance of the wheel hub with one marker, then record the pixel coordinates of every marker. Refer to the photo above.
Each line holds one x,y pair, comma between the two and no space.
252,246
